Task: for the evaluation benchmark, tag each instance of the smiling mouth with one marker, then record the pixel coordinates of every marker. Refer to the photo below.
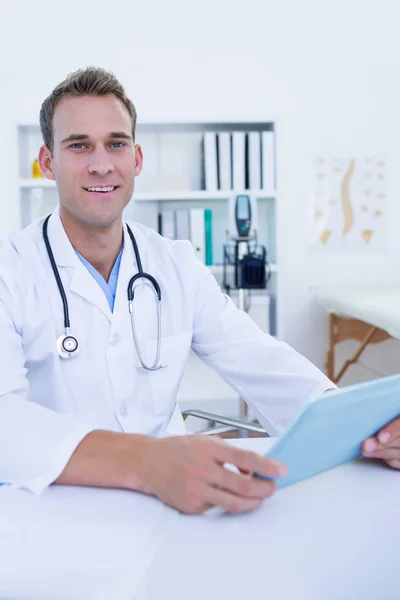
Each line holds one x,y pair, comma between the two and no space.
101,189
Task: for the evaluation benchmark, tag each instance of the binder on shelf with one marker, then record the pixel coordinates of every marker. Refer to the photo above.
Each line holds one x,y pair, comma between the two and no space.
210,161
268,161
166,224
193,224
224,161
238,160
208,236
182,222
197,232
254,160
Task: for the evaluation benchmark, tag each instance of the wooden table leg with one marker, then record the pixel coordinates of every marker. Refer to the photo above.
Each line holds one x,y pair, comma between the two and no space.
330,357
351,361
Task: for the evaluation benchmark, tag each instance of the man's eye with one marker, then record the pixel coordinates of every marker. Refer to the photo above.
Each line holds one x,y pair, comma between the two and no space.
117,144
77,146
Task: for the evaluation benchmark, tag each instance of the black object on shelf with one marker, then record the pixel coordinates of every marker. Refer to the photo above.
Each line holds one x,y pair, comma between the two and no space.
246,266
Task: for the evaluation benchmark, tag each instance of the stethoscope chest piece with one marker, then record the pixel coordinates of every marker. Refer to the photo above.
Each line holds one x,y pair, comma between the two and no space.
67,346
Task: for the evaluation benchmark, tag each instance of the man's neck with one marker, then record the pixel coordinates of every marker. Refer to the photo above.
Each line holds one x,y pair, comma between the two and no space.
99,245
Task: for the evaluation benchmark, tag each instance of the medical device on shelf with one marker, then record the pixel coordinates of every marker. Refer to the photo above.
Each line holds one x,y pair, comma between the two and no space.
246,264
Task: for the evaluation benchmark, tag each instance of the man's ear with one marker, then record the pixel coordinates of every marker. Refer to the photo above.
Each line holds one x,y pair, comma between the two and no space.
138,160
45,163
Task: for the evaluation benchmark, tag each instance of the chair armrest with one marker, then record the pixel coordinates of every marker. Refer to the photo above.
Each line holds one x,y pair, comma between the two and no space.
234,423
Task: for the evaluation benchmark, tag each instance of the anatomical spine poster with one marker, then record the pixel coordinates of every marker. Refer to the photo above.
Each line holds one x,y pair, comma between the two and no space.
349,204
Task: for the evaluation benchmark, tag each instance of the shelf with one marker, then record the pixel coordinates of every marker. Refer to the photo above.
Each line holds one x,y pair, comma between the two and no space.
39,182
219,269
199,195
176,153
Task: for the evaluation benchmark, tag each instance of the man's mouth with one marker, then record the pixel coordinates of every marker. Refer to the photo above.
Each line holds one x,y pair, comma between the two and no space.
103,189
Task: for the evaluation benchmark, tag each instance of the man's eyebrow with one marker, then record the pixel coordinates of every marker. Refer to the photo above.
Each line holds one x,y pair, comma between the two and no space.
79,137
120,134
74,137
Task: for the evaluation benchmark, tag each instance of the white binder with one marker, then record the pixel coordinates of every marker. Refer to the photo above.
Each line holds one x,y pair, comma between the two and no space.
197,233
268,161
238,160
254,164
224,161
182,218
168,224
210,161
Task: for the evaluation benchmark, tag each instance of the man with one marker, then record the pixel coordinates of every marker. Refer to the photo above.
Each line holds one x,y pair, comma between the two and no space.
99,418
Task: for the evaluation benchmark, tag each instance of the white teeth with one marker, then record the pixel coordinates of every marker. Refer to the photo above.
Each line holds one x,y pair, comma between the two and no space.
110,188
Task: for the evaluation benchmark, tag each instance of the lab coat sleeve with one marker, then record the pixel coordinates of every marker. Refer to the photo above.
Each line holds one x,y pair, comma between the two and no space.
36,443
268,374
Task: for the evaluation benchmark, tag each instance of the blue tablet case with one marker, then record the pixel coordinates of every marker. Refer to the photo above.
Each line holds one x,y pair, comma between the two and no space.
330,430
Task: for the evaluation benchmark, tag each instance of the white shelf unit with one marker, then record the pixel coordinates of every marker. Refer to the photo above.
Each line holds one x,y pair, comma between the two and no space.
172,176
161,196
29,183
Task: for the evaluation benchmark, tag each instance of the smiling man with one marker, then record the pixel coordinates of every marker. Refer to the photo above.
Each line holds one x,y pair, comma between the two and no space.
86,396
94,166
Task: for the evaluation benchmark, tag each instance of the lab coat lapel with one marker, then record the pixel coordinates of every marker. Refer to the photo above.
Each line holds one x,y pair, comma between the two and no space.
81,282
127,269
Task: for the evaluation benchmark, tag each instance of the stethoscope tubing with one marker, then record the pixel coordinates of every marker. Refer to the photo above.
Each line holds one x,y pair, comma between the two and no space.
63,349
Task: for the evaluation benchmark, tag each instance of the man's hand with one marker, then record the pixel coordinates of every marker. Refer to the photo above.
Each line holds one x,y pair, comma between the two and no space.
385,445
187,473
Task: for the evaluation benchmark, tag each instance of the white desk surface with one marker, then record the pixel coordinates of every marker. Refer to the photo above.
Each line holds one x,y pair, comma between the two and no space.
333,537
78,543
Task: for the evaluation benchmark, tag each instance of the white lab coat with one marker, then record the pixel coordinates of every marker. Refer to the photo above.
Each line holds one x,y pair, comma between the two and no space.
48,405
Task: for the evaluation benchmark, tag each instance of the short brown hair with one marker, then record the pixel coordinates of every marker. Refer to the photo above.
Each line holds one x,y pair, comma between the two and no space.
91,81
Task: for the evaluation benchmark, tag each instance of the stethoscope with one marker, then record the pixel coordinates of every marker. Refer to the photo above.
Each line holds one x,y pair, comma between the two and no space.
67,344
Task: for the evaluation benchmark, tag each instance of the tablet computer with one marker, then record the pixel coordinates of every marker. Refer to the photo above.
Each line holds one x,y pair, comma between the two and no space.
329,431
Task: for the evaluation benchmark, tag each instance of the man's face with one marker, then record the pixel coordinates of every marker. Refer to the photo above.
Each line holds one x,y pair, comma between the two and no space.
94,160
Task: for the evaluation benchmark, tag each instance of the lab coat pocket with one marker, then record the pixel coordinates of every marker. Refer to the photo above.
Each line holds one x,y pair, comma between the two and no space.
165,382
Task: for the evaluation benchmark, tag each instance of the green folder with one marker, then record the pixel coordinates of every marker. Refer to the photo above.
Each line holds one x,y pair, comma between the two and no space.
208,235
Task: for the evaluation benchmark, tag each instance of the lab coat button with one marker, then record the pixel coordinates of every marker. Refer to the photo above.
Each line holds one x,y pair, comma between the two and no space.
123,410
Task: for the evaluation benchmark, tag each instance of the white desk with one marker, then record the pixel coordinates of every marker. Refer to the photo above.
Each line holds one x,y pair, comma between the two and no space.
78,543
334,537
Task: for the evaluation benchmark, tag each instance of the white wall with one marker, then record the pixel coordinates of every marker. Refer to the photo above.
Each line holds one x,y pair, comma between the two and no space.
328,71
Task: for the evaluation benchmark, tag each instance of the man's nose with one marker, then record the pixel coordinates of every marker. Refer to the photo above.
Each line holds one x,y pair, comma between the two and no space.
100,162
